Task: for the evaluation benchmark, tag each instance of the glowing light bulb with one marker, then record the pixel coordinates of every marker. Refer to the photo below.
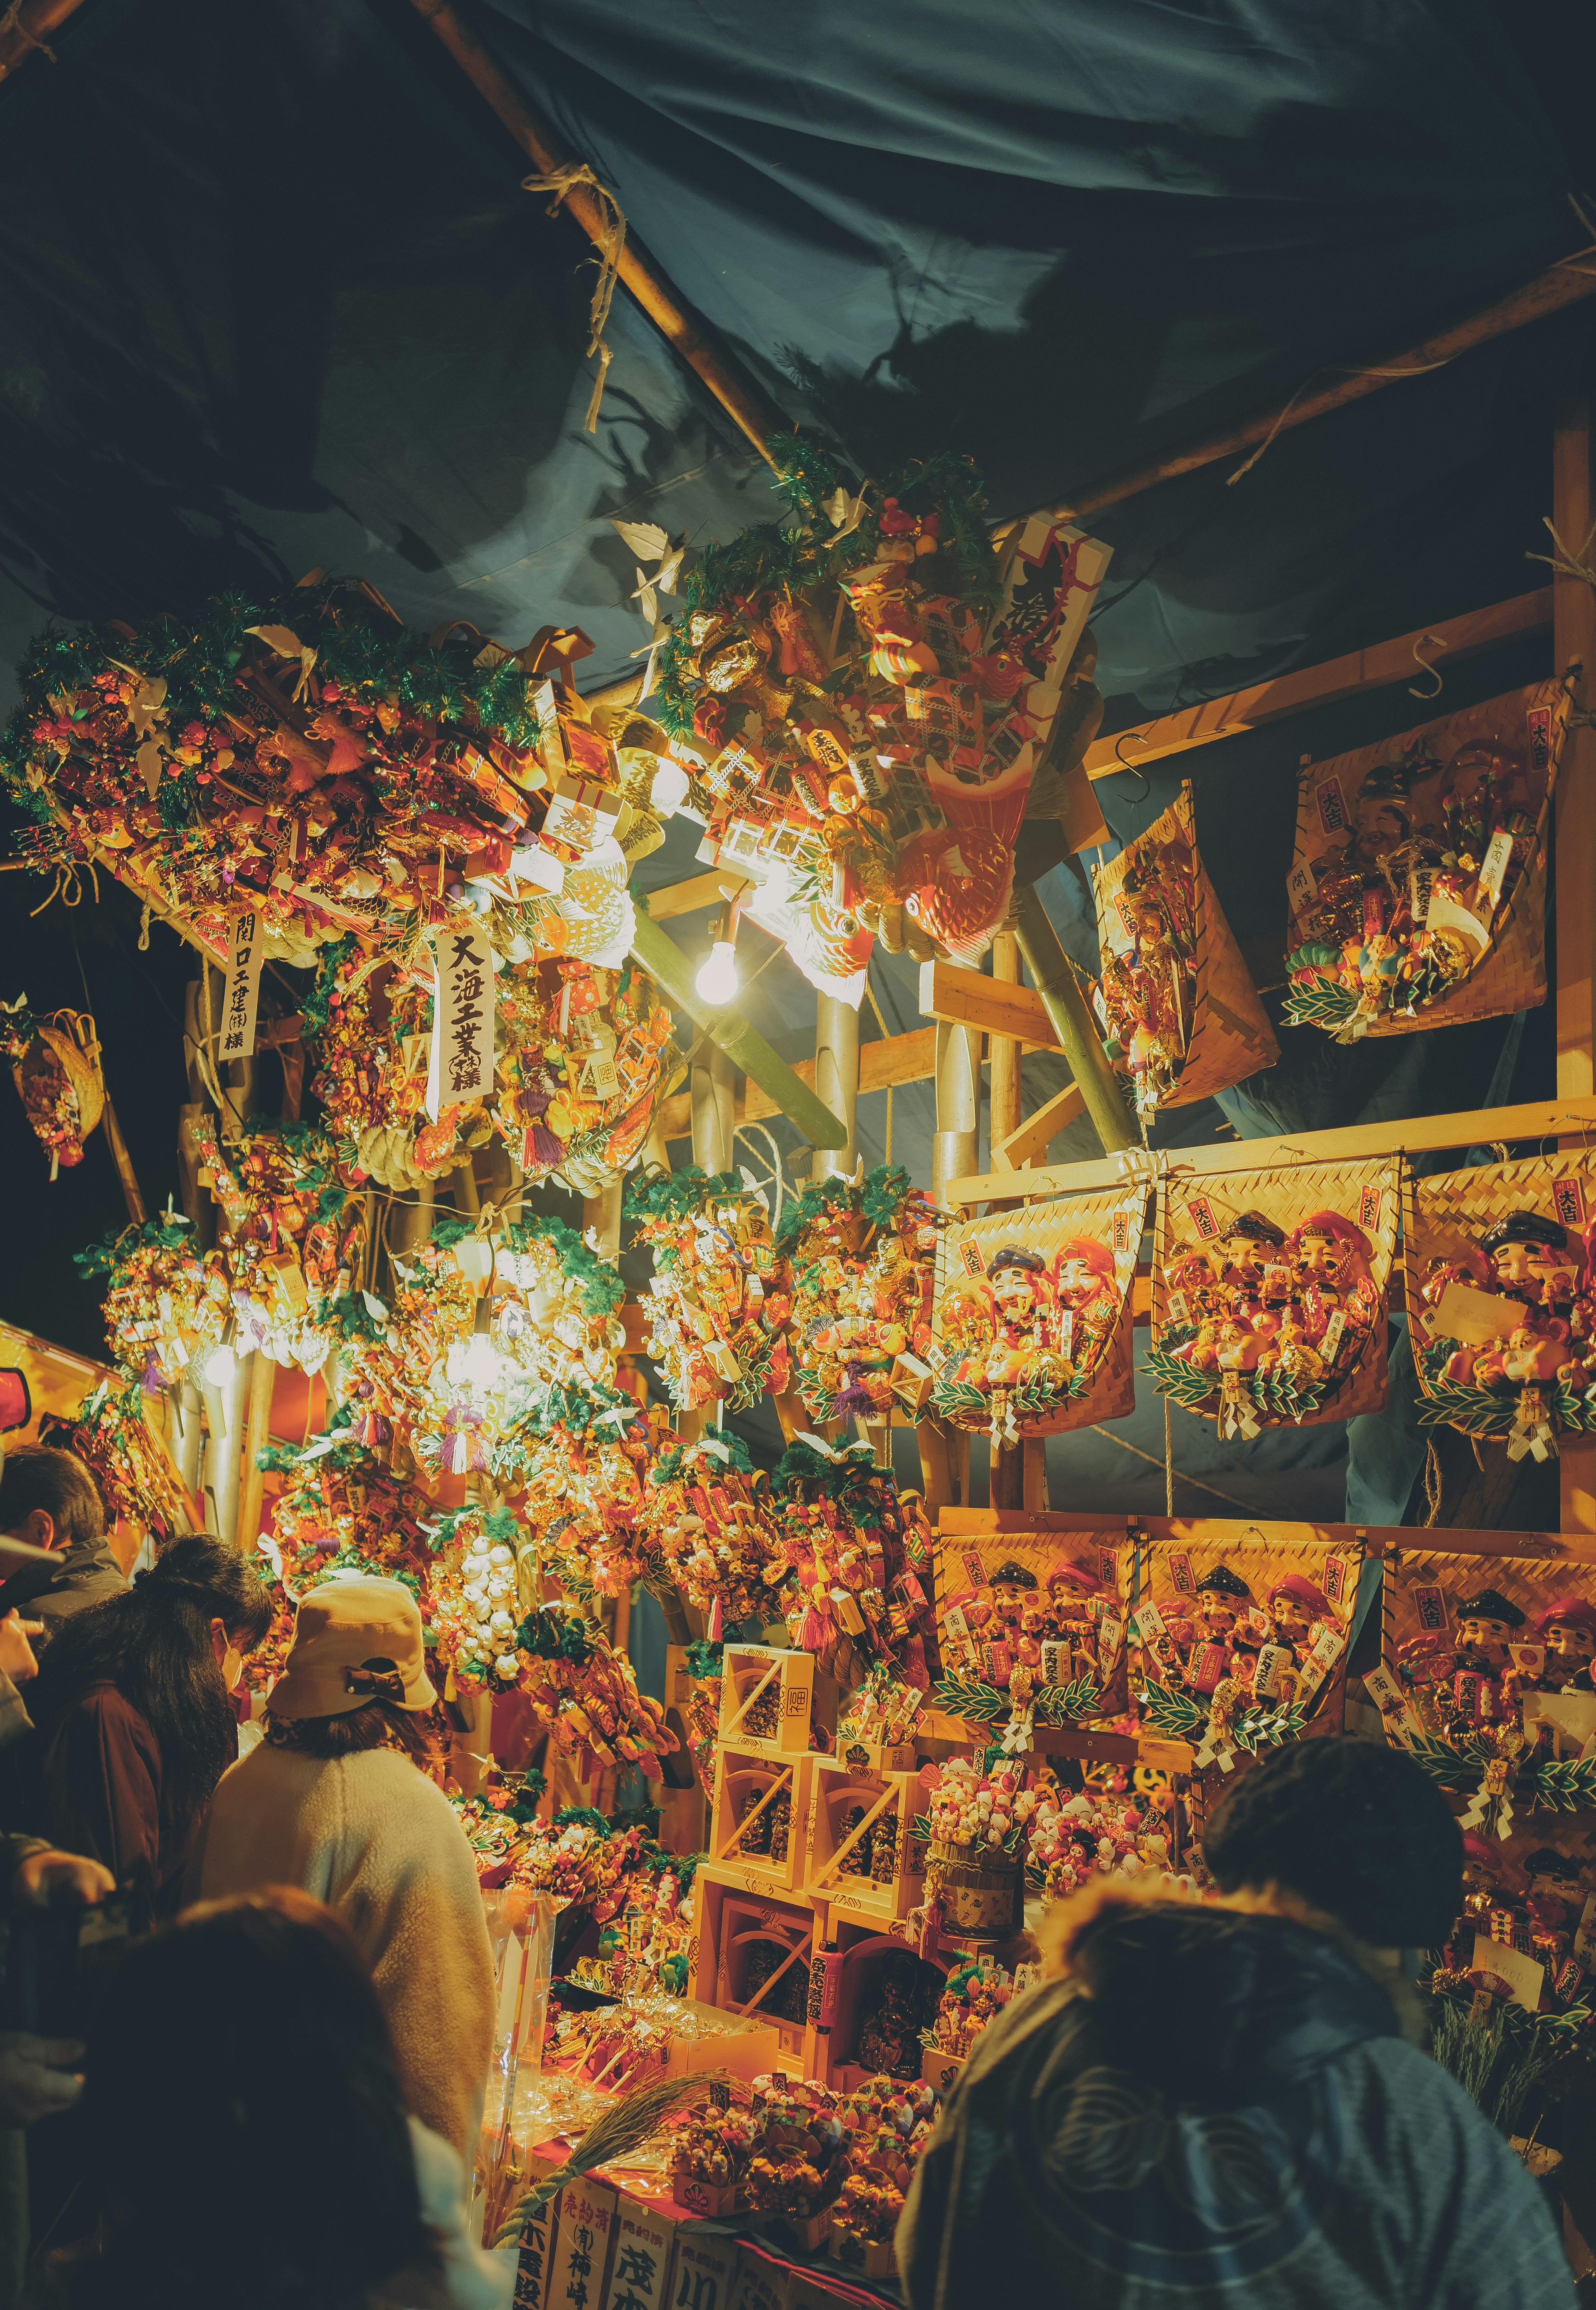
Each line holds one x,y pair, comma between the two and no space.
220,1365
481,1360
717,980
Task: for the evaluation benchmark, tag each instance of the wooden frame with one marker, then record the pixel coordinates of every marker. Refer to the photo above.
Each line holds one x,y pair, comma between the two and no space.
740,1773
885,1797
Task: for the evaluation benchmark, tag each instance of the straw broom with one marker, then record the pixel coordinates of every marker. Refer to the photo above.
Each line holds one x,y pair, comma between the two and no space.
620,2131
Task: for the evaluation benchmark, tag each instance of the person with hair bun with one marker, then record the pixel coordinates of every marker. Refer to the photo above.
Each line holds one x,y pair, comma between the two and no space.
135,1724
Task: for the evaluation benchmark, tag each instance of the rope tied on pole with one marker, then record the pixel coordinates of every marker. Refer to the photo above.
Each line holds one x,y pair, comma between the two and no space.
610,240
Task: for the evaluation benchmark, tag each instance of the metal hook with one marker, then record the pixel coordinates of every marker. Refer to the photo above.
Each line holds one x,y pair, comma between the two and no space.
1119,758
1424,666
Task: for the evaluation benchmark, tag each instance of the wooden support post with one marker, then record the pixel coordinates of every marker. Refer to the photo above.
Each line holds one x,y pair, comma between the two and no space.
123,1161
1574,633
712,1092
257,1429
1072,1022
1003,1054
956,1150
600,1217
837,1079
226,1410
1036,1472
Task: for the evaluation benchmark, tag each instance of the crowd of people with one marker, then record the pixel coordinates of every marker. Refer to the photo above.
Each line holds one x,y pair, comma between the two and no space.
274,2099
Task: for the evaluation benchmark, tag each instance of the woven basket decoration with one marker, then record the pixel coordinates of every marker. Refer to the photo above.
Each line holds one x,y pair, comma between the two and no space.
1033,1314
1238,1644
1175,996
1486,1676
1269,1293
1035,1617
1418,891
1500,1300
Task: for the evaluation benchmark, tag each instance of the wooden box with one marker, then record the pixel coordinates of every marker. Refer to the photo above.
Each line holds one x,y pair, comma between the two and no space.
772,1702
760,1798
848,1989
889,1885
940,2070
745,1948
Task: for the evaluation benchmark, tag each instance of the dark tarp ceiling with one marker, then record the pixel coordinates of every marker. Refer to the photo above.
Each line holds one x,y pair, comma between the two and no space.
270,296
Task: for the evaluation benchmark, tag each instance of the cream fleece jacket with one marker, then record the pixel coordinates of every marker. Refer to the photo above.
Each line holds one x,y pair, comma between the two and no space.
373,1838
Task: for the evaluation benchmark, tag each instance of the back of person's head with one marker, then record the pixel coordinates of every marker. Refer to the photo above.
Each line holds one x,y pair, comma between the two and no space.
36,1476
1358,1832
243,2104
154,1646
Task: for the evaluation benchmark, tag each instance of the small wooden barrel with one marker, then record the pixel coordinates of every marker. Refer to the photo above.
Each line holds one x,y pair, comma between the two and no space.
982,1892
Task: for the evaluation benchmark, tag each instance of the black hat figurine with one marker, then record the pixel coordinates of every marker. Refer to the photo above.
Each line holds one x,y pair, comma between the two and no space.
1254,1226
1222,1582
1012,1255
1489,1606
1012,1576
1526,1227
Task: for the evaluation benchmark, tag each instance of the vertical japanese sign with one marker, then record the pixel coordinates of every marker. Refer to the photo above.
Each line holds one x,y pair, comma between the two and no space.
460,1065
245,956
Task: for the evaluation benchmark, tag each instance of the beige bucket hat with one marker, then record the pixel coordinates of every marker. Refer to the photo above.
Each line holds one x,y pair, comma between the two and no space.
355,1641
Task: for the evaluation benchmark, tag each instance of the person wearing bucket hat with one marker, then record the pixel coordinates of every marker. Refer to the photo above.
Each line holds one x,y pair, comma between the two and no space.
1214,2104
337,1801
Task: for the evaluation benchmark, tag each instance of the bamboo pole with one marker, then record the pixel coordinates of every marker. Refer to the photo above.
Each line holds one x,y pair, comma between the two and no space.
690,335
836,1079
1562,284
28,28
1049,967
257,1429
123,1161
1573,636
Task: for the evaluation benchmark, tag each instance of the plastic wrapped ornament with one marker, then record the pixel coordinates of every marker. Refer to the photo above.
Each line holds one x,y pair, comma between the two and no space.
711,1516
371,1025
717,1302
862,1256
585,1692
859,1551
164,1304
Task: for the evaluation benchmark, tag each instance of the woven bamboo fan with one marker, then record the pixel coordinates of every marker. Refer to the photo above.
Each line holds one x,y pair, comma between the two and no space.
1418,891
1176,997
56,1066
1031,1623
1033,1314
1237,1645
1500,1301
1269,1293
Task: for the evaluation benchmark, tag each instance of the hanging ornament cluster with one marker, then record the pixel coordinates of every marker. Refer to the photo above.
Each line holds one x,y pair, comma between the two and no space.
862,1254
292,1235
313,759
56,1066
371,1028
1417,892
476,1592
1181,1016
585,1693
1034,1317
341,1508
1024,1639
860,1553
864,699
716,1301
134,1474
1268,1309
165,1306
712,1518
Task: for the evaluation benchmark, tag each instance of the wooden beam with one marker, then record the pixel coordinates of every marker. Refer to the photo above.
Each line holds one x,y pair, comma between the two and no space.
897,1059
1035,1136
1344,1539
968,998
687,332
1560,284
1541,1119
1574,639
698,890
1307,686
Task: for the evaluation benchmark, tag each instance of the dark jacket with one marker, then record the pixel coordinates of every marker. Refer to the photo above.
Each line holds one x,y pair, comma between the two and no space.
84,1574
1229,2120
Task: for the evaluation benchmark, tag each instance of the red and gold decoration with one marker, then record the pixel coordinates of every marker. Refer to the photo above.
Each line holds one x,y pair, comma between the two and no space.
54,1064
717,1300
862,1259
1180,1013
164,1304
1417,892
1268,1299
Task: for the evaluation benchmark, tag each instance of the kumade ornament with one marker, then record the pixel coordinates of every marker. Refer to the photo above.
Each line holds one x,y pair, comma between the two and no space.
165,1304
1501,1302
1418,891
861,1257
56,1066
1269,1302
717,1300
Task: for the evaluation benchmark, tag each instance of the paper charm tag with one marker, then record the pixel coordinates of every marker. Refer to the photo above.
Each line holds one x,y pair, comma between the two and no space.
1528,1660
1121,1231
1493,873
969,1253
1108,1569
1201,1212
1333,1335
1421,882
1181,1573
1537,732
1569,1203
1066,1333
1332,808
1300,890
1368,1209
247,952
1429,1606
460,1063
974,1570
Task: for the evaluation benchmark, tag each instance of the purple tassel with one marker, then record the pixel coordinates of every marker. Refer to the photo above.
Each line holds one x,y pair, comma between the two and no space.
854,1398
547,1152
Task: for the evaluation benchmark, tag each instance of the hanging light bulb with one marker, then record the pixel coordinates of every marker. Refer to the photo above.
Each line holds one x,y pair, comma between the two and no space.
222,1363
480,1363
717,980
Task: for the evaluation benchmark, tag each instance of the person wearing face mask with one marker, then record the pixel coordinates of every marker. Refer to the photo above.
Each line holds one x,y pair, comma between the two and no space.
134,1722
